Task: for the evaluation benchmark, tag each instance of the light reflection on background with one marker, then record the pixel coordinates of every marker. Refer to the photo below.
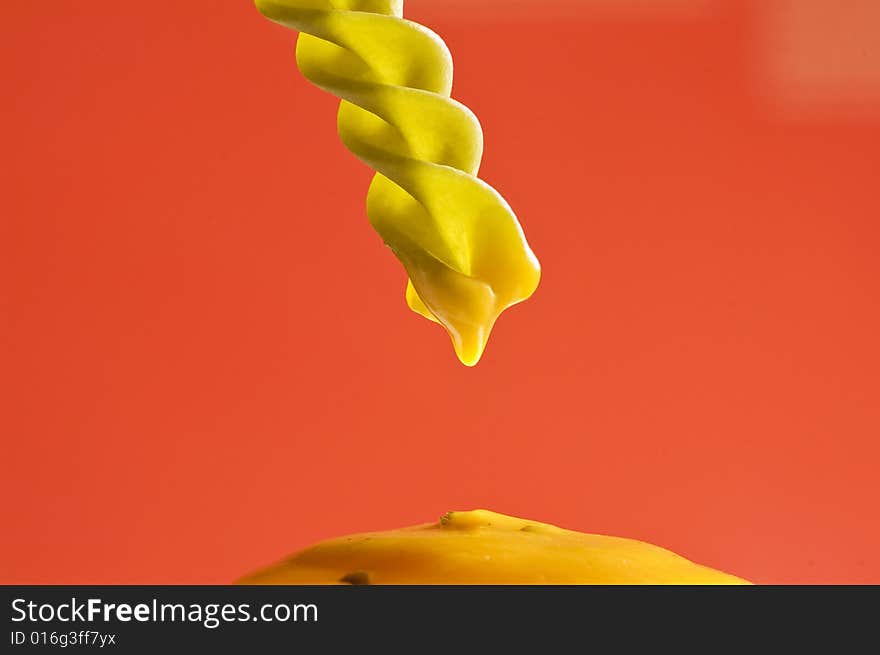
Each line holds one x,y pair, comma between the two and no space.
819,58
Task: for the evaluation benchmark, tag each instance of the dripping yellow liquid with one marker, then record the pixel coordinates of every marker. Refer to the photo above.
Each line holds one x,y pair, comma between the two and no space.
463,248
482,547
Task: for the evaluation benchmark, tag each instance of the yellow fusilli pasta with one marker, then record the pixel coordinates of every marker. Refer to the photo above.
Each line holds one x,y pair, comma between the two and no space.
460,243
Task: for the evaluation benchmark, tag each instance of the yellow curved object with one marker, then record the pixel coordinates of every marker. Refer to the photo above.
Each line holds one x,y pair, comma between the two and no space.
483,547
460,243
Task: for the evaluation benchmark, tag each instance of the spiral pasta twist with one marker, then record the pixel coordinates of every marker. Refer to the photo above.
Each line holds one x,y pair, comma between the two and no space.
460,243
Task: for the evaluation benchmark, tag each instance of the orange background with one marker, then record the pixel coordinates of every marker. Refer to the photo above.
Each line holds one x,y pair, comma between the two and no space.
207,360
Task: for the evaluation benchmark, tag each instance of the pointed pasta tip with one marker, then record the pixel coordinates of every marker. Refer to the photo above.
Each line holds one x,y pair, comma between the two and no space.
469,347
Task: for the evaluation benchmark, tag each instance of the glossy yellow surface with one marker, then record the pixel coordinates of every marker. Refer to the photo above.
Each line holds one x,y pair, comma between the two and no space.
460,243
483,547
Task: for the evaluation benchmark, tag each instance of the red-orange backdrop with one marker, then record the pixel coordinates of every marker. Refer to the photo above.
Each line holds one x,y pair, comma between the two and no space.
206,357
